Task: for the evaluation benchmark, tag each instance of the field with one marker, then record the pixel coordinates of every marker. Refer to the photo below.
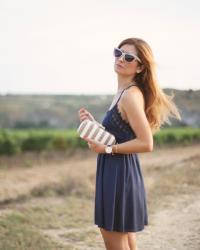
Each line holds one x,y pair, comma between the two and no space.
15,141
47,200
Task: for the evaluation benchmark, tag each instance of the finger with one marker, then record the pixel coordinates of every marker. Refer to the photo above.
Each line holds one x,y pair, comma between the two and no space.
82,110
88,140
83,117
93,142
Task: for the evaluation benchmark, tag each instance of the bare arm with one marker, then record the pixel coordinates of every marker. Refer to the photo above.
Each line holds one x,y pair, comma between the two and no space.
85,114
133,105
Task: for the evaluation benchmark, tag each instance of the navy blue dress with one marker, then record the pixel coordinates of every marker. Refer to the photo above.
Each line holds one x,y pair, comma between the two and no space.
120,198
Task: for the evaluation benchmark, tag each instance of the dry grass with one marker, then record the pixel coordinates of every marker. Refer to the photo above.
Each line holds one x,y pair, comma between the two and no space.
51,206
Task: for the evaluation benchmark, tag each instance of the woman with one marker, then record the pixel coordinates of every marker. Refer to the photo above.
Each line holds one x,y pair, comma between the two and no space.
138,110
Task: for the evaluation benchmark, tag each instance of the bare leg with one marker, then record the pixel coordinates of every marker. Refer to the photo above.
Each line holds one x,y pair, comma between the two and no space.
132,241
115,240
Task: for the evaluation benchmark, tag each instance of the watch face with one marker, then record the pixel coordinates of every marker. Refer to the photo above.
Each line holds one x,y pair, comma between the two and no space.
108,149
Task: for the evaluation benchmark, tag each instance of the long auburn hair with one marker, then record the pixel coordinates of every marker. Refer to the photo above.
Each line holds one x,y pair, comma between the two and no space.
158,105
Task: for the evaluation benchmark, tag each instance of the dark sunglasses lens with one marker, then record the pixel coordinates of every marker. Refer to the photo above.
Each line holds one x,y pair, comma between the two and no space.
129,58
117,53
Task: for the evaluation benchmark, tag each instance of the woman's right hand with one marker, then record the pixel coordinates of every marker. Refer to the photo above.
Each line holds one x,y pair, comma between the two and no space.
84,114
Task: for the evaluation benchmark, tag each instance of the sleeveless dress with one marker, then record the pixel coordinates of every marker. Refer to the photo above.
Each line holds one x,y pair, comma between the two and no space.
120,198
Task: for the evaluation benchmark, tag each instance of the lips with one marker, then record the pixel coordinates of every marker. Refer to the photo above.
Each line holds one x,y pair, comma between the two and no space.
119,65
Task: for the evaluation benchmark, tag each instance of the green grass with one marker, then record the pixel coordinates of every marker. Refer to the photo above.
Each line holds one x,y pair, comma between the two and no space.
185,136
13,141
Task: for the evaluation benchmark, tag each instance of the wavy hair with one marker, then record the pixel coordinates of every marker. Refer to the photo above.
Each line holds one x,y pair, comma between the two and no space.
158,105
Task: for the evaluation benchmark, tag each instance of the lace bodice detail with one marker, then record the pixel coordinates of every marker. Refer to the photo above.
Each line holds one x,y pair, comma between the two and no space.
116,124
118,120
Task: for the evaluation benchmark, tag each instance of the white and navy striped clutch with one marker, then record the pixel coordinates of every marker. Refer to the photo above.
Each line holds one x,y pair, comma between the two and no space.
96,131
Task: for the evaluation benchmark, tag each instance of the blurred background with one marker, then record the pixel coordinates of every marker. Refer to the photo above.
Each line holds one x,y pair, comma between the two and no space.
56,57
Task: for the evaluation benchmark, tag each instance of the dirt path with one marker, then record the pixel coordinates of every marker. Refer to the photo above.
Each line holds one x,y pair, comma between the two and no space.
21,181
172,181
176,227
168,156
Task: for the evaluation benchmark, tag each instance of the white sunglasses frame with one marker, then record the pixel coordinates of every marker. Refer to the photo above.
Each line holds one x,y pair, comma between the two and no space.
124,53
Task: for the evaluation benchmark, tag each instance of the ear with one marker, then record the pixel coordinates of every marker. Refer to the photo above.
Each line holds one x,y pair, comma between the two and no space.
140,68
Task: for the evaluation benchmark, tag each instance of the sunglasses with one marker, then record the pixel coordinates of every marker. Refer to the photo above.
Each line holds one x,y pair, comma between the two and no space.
129,57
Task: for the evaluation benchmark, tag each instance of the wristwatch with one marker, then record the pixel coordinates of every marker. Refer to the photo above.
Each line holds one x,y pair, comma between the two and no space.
108,149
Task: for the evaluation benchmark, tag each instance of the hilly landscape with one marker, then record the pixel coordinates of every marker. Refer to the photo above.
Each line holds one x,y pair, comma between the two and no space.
61,111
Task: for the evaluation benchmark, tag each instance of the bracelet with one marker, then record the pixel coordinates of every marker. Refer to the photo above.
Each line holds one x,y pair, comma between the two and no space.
114,151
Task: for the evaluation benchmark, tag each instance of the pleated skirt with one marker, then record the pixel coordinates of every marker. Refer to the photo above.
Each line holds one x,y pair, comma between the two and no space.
120,197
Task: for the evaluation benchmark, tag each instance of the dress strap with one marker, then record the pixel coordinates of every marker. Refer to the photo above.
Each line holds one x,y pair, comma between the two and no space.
123,91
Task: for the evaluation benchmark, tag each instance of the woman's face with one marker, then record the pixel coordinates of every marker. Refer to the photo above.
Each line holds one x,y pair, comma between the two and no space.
124,68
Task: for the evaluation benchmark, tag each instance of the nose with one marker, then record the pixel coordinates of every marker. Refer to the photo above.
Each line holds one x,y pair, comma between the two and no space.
121,58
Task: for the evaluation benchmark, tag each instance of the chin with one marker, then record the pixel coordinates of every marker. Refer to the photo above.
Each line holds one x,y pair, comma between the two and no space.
118,70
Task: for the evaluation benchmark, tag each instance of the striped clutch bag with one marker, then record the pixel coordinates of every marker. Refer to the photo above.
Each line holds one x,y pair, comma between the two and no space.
95,131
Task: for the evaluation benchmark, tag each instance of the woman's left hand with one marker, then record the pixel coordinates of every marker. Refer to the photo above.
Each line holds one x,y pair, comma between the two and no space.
95,146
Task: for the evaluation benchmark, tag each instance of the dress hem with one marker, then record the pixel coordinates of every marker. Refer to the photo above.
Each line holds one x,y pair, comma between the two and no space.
119,230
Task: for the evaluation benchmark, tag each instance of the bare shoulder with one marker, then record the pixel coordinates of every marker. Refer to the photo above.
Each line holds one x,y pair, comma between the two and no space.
133,97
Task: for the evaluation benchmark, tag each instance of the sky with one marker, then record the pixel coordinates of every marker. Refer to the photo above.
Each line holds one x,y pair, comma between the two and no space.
66,47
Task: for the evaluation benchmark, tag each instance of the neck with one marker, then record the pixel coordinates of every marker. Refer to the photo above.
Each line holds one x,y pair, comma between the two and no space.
124,82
